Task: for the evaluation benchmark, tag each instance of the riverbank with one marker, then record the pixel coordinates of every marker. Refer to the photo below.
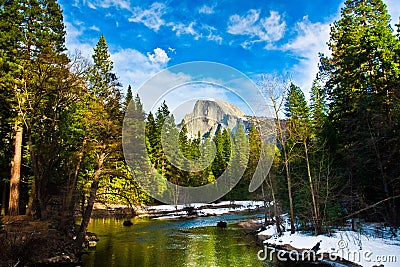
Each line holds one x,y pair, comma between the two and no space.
28,242
372,245
175,211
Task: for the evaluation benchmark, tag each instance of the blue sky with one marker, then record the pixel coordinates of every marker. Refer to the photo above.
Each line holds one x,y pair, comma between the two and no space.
255,37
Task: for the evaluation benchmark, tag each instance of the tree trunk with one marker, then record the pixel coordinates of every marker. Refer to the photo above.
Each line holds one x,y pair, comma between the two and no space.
276,89
288,176
317,227
13,206
3,200
277,215
30,210
34,208
71,189
92,198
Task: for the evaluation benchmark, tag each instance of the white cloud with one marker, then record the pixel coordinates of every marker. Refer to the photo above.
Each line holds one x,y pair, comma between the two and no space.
134,68
197,31
123,4
151,18
267,29
211,36
164,86
94,4
182,29
310,40
95,28
245,25
207,9
310,36
90,5
131,66
72,39
273,28
159,56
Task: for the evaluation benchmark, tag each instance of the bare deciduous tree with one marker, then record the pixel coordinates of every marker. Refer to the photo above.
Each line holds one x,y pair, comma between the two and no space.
275,87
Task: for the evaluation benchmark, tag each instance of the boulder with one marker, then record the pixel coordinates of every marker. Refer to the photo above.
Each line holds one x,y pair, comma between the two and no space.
91,237
222,224
127,223
92,244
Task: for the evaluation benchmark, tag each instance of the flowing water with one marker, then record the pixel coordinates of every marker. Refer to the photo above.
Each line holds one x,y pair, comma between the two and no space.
175,243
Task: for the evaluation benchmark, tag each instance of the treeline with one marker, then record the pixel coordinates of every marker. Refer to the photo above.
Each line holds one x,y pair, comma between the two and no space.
232,148
61,120
61,125
339,153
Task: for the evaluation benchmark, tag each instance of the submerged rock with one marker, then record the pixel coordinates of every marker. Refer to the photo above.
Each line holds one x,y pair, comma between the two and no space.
60,260
222,224
92,244
127,223
91,237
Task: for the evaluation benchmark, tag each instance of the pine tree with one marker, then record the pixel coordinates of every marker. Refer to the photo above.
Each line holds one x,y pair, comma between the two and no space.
301,145
362,84
298,113
318,109
151,137
207,156
238,163
103,124
184,143
159,159
32,48
128,97
222,140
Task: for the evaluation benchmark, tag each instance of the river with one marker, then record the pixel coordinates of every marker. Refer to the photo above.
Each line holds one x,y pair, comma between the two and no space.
175,243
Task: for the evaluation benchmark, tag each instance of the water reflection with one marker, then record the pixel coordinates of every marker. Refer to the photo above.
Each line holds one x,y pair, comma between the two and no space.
172,243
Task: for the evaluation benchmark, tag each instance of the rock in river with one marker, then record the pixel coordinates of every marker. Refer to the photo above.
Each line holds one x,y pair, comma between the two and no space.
127,223
222,224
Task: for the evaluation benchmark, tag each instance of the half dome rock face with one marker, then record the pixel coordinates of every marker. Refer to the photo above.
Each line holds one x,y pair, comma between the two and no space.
209,115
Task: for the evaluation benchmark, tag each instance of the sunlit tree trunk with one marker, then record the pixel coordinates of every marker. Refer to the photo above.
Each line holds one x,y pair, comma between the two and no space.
317,219
92,198
13,206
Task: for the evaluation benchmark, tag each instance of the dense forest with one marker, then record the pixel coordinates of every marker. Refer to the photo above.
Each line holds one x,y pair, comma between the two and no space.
336,155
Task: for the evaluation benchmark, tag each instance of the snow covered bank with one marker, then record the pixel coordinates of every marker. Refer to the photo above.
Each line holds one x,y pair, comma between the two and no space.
200,209
365,249
174,211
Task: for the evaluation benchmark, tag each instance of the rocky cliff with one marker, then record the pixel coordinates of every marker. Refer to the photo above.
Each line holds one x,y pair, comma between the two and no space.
209,115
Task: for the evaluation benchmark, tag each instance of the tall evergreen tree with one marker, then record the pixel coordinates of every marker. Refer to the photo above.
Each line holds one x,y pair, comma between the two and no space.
103,121
128,97
362,83
33,53
299,144
318,109
222,140
151,138
238,162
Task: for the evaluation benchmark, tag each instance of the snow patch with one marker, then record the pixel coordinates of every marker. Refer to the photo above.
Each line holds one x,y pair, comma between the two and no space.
361,248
